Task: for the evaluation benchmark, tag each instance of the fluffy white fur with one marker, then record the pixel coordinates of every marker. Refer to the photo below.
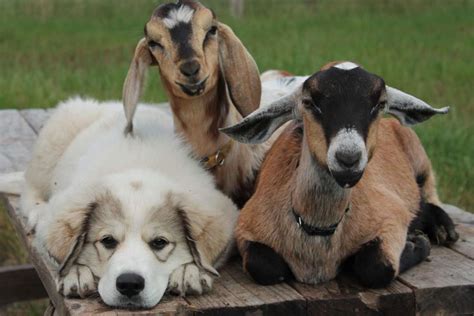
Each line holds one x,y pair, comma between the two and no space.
81,155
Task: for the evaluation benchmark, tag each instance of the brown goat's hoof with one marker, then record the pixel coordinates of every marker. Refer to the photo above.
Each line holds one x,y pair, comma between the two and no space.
371,267
436,223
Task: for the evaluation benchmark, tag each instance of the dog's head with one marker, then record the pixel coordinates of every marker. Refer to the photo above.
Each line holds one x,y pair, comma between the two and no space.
193,51
133,230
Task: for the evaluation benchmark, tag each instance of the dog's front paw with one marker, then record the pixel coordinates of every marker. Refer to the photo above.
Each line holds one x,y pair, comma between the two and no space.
188,279
79,282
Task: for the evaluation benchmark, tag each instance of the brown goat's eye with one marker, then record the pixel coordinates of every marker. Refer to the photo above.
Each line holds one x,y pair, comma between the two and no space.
158,243
109,242
212,30
153,45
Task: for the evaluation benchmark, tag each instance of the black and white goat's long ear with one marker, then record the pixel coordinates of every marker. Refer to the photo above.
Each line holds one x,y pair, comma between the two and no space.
408,109
135,79
240,71
67,235
261,124
208,220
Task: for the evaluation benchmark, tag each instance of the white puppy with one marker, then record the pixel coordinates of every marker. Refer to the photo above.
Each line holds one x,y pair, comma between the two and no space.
127,216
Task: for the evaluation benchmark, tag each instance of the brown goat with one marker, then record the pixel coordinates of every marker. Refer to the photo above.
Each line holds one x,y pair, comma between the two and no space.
340,184
211,81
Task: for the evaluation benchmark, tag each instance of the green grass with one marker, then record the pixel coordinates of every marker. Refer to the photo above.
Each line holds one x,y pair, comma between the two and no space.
53,49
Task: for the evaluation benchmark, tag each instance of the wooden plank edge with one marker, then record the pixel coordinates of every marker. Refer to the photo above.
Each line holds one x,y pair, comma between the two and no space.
44,274
21,284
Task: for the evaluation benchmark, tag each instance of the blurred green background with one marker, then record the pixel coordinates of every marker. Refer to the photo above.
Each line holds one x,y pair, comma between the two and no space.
53,49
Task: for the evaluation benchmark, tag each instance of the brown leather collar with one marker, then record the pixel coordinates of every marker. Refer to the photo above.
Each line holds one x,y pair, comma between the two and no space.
217,159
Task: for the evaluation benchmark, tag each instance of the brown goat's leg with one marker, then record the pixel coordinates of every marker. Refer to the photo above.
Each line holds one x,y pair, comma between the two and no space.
372,266
264,265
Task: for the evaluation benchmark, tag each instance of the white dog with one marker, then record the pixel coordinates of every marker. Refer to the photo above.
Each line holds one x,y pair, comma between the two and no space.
127,216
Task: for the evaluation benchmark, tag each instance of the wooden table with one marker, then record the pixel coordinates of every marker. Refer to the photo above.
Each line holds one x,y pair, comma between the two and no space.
444,284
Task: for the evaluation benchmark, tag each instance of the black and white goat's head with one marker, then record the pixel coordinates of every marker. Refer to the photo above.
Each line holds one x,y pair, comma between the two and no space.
193,52
340,107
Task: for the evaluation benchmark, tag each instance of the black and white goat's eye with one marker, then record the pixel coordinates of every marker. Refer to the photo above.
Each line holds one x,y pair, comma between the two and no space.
309,104
378,107
154,45
159,243
109,242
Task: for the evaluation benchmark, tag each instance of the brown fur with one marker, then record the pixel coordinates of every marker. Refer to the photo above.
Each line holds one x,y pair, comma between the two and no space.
232,91
383,203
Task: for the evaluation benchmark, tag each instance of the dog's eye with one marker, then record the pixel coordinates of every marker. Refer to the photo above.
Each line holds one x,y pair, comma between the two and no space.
153,45
159,243
109,242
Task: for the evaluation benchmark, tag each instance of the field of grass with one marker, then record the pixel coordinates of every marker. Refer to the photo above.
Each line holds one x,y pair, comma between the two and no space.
52,49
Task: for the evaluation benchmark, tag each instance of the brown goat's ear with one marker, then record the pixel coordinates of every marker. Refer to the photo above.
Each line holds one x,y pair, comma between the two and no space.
240,72
134,82
67,235
408,109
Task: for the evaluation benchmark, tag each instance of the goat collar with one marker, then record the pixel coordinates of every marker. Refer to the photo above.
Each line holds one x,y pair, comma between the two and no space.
318,231
217,159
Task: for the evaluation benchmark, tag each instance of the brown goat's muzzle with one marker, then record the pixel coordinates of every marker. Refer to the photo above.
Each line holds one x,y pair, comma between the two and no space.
193,89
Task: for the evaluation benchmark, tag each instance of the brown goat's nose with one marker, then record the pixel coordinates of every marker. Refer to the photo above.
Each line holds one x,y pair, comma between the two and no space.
348,158
190,68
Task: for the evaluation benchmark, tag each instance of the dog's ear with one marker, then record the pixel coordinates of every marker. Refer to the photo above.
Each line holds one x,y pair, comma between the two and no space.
208,221
66,236
240,71
135,80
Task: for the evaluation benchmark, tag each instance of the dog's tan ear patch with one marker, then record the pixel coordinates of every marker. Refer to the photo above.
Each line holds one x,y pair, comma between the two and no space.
67,236
193,232
240,71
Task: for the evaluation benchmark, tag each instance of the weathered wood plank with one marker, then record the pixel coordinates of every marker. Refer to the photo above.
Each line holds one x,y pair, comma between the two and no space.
235,293
36,117
16,141
20,283
444,284
344,296
465,227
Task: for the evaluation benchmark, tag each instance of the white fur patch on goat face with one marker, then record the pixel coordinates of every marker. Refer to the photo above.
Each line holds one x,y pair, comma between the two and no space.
346,65
183,14
347,141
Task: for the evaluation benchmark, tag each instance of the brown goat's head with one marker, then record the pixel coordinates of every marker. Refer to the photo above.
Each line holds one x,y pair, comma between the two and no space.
340,107
192,51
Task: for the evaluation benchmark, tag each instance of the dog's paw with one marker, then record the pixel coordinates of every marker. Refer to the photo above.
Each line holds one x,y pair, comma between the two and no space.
188,279
79,282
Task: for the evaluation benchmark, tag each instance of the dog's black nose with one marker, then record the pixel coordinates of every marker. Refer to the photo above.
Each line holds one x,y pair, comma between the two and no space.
348,158
130,284
190,68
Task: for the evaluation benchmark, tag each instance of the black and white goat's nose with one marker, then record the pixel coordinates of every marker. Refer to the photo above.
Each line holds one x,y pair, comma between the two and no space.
348,159
130,284
190,68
